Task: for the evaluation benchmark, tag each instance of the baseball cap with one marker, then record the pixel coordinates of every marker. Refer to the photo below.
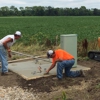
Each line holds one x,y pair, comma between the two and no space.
49,53
18,33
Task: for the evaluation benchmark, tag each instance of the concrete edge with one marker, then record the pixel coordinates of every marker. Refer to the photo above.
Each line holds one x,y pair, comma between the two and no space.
19,60
26,78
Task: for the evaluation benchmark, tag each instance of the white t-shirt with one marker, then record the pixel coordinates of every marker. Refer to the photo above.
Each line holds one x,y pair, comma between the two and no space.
5,38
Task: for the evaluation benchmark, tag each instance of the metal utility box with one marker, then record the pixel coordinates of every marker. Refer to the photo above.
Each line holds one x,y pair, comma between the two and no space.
69,44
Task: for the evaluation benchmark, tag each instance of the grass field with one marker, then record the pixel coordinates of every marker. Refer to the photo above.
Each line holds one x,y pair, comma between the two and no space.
37,29
41,32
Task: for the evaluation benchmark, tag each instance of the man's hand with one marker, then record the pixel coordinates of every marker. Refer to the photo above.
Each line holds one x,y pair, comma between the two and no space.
9,54
46,73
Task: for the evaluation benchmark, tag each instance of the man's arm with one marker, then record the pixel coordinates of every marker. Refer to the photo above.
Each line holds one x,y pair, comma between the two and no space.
50,68
59,60
5,43
6,47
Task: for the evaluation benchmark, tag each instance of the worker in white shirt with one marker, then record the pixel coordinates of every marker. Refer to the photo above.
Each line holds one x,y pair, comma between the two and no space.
5,44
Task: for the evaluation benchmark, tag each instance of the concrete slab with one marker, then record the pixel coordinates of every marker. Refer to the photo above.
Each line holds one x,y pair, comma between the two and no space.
30,69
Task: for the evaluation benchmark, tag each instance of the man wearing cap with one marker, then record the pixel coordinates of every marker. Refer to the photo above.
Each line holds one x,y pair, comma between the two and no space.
65,61
5,44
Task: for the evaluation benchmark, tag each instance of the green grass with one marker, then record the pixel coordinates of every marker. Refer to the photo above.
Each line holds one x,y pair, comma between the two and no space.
98,86
38,29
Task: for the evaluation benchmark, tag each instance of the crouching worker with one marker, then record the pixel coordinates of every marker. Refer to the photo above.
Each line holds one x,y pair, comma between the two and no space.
5,44
64,61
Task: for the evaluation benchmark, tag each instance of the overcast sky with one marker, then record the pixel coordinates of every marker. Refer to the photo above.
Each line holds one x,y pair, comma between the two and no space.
53,3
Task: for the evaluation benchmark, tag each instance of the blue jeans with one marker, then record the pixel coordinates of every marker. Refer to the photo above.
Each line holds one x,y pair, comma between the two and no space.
67,65
3,59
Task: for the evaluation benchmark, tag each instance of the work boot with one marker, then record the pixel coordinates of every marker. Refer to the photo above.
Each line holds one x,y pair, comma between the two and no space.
56,78
5,74
82,74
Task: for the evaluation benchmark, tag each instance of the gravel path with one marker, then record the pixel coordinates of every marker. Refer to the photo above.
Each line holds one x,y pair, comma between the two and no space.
16,93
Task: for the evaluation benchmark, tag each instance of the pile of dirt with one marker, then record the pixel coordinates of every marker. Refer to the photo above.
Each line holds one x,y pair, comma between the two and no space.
80,88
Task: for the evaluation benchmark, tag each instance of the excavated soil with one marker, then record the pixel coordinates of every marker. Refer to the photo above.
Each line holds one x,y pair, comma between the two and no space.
80,88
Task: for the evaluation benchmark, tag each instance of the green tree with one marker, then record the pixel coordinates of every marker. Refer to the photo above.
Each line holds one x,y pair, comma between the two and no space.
22,11
82,11
96,12
5,11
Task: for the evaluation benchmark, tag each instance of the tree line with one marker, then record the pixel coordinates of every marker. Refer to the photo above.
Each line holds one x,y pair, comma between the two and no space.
48,11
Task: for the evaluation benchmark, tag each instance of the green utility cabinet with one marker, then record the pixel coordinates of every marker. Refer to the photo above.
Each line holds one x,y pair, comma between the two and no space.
69,44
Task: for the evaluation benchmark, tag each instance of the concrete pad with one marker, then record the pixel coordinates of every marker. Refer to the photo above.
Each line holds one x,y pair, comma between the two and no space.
30,69
79,67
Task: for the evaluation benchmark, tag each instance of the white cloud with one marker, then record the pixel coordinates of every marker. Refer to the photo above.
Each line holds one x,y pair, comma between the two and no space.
53,3
11,2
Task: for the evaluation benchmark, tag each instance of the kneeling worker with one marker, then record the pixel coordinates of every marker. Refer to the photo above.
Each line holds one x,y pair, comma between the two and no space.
65,61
